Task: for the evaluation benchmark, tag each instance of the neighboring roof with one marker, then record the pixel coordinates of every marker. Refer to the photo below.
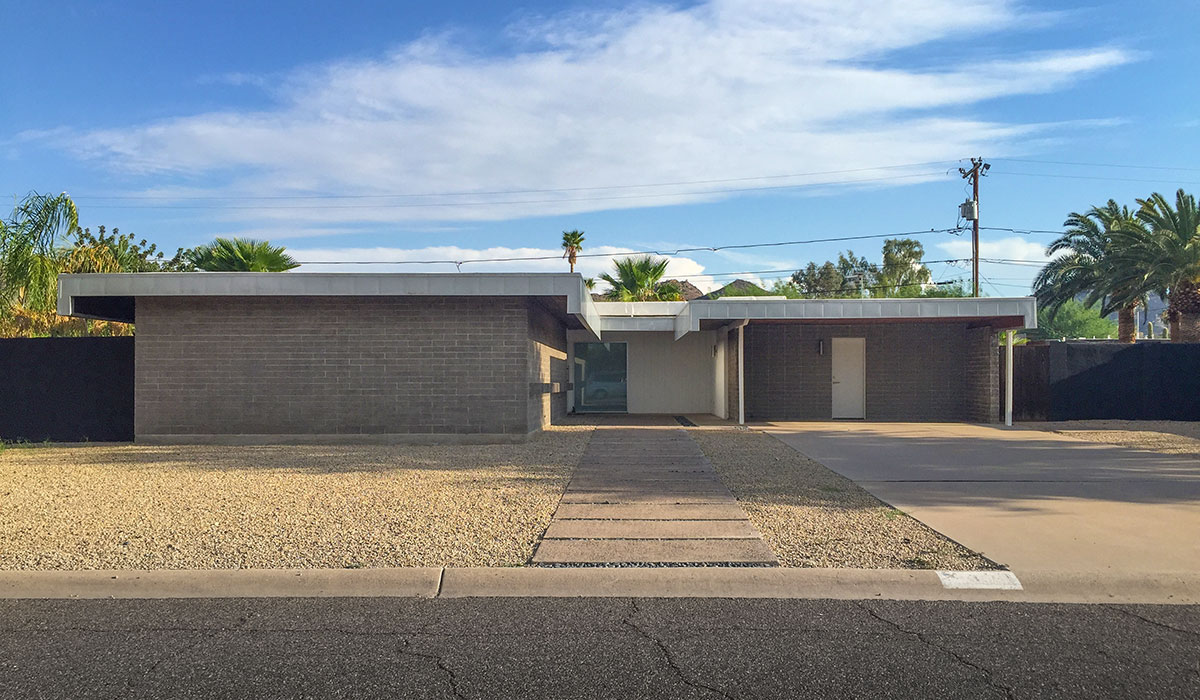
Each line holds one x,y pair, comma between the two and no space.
688,290
736,288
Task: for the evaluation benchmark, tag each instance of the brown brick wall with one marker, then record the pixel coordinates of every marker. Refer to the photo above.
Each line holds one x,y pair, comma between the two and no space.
915,371
983,376
332,365
548,370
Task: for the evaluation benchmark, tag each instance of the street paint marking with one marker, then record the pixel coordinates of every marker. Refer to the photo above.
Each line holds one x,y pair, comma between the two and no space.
989,580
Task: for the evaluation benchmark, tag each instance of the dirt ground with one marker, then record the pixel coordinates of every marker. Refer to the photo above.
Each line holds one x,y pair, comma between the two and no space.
1169,437
813,517
203,507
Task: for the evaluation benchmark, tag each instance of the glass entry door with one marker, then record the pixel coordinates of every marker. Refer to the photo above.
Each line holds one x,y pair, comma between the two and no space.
600,377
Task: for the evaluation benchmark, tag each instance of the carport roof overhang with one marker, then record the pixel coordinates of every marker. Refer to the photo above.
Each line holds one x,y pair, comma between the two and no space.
112,296
997,313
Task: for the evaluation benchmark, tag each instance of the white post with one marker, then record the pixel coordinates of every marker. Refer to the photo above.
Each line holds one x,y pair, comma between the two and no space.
1008,377
741,374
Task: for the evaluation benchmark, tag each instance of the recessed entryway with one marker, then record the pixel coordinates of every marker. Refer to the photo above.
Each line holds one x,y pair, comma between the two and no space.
849,377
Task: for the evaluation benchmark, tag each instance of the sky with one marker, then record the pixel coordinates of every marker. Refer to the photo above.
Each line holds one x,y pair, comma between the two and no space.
377,132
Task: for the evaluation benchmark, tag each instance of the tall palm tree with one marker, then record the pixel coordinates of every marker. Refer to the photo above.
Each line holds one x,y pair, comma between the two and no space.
638,279
1164,255
240,255
572,243
30,255
1090,267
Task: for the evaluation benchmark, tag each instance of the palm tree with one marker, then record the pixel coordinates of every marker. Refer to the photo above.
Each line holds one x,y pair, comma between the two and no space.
1164,255
240,255
30,256
638,279
1090,267
572,243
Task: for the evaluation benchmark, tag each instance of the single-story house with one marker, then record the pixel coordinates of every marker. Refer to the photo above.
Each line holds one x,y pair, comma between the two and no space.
227,357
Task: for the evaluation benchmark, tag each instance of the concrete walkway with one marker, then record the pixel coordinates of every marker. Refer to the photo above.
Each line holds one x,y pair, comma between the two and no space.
649,496
1029,499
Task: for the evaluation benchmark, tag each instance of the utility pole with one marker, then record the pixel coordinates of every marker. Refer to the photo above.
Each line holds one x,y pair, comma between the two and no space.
970,210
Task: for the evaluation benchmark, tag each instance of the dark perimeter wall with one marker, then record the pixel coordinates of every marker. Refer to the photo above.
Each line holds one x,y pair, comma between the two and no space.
915,371
340,365
66,389
1107,380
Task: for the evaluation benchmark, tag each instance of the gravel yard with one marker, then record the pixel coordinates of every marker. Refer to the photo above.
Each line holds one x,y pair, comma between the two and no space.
201,507
1167,436
813,517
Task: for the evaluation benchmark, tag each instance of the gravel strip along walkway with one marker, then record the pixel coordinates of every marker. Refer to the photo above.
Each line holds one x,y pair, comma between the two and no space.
203,507
649,497
1166,436
813,517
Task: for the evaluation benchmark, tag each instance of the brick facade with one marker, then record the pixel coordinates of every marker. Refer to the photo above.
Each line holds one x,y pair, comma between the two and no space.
982,376
549,375
344,366
915,371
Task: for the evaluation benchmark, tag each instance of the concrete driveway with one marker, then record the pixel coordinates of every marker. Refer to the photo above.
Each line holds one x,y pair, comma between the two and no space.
1028,499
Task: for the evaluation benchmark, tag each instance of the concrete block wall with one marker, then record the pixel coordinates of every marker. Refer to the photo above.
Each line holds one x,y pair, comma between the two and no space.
915,371
982,373
332,366
549,374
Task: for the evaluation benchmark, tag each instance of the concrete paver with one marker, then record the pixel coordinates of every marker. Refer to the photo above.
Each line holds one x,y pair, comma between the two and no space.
1027,499
650,529
647,496
675,551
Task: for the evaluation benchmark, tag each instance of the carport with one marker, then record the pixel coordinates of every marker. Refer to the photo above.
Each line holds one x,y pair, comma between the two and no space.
864,359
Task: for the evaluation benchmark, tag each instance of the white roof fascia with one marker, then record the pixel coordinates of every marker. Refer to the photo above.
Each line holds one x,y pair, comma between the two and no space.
640,308
166,284
637,323
855,309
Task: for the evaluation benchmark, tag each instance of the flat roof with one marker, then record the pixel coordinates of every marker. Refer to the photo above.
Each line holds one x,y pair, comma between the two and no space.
111,297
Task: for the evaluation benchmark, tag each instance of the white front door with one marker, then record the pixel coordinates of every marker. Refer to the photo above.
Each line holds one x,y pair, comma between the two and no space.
849,377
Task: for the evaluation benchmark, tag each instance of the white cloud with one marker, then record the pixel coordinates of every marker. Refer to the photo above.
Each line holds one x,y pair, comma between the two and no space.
1014,248
725,89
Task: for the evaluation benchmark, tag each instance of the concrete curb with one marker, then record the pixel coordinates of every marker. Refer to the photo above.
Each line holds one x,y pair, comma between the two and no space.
232,583
690,582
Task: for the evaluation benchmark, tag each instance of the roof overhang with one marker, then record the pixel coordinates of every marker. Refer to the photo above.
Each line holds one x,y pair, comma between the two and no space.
111,296
998,313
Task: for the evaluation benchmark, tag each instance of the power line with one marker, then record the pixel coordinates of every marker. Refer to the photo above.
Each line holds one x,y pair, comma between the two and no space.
408,205
697,249
1097,165
1095,177
465,193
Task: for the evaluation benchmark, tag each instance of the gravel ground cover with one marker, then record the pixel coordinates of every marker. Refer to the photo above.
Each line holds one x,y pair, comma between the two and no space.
813,517
202,507
1167,436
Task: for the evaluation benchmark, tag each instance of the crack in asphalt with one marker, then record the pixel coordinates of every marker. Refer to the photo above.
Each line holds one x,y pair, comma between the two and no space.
1156,623
667,655
132,682
988,676
442,665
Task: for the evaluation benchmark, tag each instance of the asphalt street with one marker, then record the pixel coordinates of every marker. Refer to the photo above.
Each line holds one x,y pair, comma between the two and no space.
593,648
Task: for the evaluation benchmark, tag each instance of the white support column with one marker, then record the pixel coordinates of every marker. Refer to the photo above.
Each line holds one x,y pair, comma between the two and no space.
1008,377
741,374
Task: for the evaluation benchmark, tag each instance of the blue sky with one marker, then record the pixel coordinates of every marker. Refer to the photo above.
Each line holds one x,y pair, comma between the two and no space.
383,131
